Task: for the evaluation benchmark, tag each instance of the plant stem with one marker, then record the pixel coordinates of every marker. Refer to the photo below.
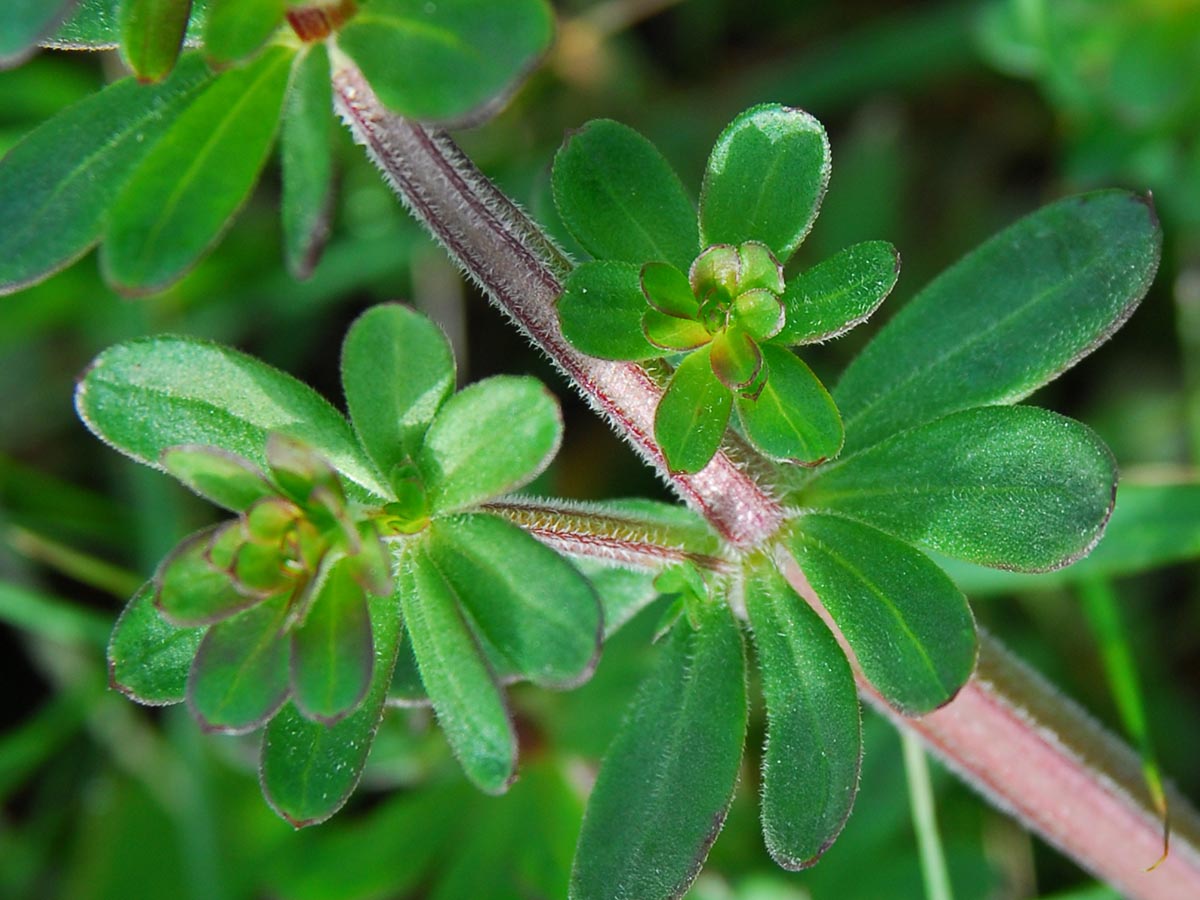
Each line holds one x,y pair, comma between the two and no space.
920,798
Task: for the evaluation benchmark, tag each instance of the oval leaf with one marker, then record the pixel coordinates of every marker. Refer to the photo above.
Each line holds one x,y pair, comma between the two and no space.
909,626
668,777
223,478
839,293
601,311
1009,486
793,418
1007,318
191,589
692,414
148,658
237,28
152,35
621,199
306,160
765,180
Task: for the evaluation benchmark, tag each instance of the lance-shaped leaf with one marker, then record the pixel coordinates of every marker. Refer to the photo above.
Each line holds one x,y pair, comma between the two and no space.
24,22
1009,486
601,311
148,658
397,370
1007,318
532,605
237,28
308,769
57,184
152,35
667,779
446,61
793,418
306,160
240,675
489,439
219,476
469,704
839,293
814,735
765,179
192,588
909,626
621,199
692,414
193,181
332,653
148,395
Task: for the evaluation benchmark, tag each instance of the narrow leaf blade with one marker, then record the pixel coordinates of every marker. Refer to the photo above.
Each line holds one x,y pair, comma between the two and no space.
148,658
306,159
692,414
793,418
838,293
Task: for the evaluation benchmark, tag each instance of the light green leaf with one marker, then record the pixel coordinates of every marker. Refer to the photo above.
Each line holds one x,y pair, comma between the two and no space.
58,183
95,26
1007,318
179,200
909,626
191,589
237,28
148,395
530,604
670,333
621,199
668,290
447,61
489,439
835,295
306,160
469,704
1009,486
397,371
24,22
308,770
152,35
692,414
148,658
765,179
793,418
217,475
668,777
814,734
601,311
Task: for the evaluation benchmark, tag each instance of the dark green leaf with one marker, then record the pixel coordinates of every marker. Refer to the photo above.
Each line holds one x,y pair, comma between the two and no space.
601,311
1007,318
217,475
309,770
909,626
620,198
24,22
447,61
175,206
237,28
692,414
152,35
240,676
406,688
668,290
491,438
839,293
765,179
793,418
192,589
469,704
148,395
667,780
814,736
148,658
306,160
57,184
1009,486
397,371
527,601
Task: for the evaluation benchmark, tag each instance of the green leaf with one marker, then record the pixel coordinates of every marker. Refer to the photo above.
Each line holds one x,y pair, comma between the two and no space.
306,160
469,704
447,61
152,35
175,206
95,26
668,290
692,414
465,461
909,626
308,770
240,675
793,418
670,333
668,777
332,653
237,28
24,22
191,589
621,199
148,658
1010,486
601,309
814,735
765,179
530,604
406,688
397,371
219,476
835,295
58,183
1007,318
145,396
736,359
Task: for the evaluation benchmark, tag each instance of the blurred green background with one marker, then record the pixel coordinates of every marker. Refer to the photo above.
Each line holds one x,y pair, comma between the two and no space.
947,122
